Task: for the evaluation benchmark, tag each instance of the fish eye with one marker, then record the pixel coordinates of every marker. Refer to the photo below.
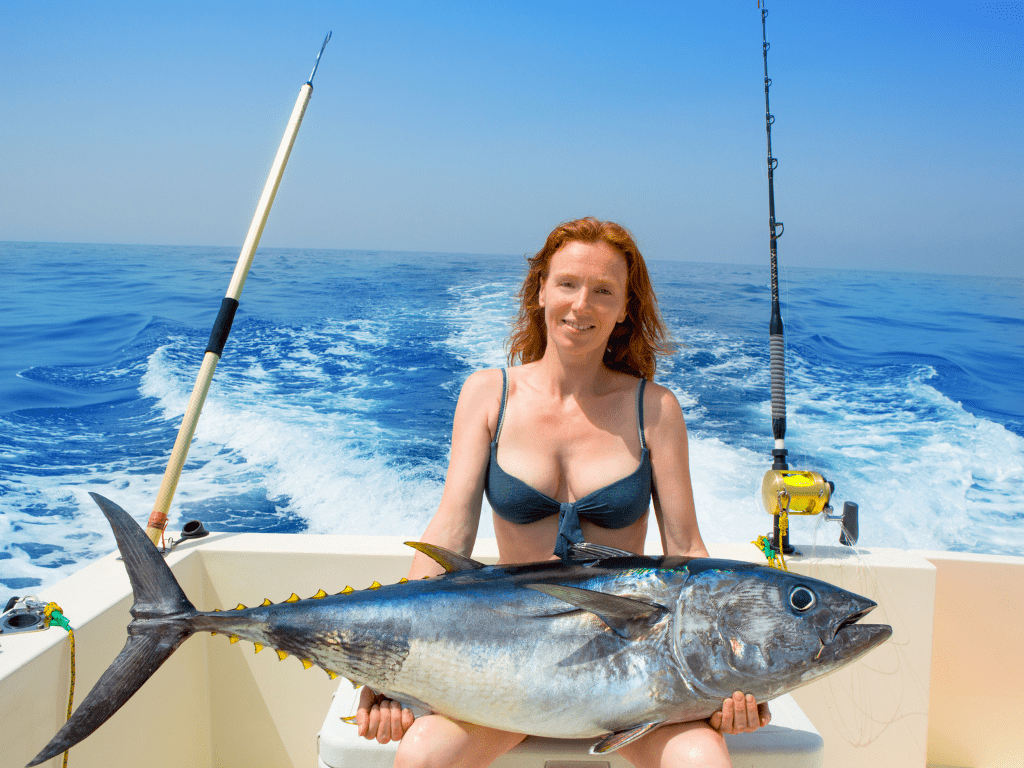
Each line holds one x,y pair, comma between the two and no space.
802,599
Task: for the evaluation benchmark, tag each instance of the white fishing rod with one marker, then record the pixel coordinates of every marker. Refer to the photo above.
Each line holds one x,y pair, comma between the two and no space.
222,326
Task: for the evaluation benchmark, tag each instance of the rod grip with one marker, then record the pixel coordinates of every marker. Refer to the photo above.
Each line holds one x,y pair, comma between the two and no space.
222,326
777,365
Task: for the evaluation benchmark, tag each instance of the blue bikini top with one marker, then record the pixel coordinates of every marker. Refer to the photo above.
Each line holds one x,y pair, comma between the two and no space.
616,505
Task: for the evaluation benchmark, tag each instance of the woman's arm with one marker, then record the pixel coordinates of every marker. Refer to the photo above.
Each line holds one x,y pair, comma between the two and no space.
665,430
455,523
453,526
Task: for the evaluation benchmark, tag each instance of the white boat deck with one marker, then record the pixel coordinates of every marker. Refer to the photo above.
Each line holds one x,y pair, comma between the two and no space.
924,698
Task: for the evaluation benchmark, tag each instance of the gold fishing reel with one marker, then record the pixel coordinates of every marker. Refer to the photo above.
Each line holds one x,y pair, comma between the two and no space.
795,492
786,492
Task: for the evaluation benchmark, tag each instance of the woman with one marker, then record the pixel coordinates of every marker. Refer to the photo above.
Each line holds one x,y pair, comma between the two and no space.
570,445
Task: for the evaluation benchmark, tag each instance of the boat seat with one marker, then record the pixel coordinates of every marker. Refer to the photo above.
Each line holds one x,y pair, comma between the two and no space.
789,741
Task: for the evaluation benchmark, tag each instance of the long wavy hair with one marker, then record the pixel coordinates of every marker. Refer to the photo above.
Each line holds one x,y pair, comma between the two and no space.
635,343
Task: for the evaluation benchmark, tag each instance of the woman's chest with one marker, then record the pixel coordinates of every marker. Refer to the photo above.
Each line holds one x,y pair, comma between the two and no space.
567,455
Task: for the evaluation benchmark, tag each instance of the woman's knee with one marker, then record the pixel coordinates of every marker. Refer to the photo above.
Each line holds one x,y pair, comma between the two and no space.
426,744
684,745
435,741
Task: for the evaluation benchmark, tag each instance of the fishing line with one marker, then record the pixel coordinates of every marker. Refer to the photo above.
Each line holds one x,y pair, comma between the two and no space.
885,666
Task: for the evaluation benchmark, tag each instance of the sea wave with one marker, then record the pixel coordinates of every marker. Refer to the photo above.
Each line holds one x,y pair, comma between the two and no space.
333,412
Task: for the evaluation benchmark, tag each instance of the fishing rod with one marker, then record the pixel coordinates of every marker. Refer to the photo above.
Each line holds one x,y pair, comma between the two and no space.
776,341
229,305
783,491
776,336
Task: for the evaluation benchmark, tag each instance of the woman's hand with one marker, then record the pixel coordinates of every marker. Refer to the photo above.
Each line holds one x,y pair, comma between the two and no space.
381,718
740,714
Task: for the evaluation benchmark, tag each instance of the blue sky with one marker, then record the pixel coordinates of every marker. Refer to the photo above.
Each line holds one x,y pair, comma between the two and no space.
476,127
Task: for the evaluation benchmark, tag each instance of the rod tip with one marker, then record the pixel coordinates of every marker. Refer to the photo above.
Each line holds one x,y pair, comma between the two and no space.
313,73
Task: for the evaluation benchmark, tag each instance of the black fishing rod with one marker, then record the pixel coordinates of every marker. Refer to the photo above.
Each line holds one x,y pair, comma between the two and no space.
776,341
775,331
785,492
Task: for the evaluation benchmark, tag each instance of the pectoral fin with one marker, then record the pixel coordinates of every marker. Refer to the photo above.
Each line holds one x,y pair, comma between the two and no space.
587,550
613,741
621,614
450,561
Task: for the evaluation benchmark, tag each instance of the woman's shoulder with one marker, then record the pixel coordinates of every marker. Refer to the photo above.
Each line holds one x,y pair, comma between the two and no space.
661,407
482,388
479,401
485,380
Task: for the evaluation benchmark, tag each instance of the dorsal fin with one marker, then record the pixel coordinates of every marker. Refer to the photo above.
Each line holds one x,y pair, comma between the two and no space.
450,561
621,614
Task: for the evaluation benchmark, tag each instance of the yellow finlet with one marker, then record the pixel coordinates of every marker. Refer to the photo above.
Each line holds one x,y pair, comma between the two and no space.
239,607
375,585
350,720
216,610
293,599
234,639
319,594
330,674
266,601
307,663
258,647
282,655
212,634
346,591
403,580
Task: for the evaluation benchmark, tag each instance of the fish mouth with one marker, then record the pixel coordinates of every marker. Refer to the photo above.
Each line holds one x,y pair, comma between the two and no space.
852,640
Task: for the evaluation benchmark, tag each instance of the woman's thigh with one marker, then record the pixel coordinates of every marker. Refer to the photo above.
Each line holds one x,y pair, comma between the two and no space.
435,741
685,745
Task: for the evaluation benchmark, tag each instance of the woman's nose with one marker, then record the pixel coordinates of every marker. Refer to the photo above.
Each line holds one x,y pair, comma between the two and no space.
579,301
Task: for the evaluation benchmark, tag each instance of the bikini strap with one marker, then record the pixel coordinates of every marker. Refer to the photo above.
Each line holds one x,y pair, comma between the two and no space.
639,412
504,399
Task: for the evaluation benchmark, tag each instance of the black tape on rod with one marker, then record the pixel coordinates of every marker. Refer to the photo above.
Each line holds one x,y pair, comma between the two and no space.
221,328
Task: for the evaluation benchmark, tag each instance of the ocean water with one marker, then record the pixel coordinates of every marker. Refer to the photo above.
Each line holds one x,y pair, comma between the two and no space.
331,408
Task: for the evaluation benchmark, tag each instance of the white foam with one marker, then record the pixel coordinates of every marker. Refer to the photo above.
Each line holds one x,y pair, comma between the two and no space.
307,449
481,316
926,473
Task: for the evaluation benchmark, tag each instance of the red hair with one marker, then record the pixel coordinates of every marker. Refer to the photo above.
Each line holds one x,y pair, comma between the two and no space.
635,342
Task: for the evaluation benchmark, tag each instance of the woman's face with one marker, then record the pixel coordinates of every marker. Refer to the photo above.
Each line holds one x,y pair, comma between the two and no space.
584,295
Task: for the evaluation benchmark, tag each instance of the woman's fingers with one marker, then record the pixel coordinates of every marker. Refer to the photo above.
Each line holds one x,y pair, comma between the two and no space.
751,718
740,714
383,710
366,700
381,718
398,725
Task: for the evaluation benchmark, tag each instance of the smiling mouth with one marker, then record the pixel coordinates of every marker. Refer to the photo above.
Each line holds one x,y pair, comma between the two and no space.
578,326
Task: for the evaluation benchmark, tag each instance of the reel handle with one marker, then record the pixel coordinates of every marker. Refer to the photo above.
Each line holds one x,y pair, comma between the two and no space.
851,524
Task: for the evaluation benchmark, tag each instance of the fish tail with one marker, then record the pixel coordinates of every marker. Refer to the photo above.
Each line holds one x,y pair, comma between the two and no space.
163,620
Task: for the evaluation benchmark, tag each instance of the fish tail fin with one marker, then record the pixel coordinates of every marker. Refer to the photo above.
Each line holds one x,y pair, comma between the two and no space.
163,620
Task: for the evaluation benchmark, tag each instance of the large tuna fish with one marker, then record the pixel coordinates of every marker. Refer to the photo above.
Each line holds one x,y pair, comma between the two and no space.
611,646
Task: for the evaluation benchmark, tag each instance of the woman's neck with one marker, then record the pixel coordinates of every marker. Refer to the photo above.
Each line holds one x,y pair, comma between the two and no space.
571,375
